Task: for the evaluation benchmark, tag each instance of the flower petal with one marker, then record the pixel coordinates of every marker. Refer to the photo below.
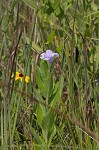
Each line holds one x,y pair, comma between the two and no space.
49,55
55,54
48,51
47,58
51,60
18,77
42,56
21,79
27,79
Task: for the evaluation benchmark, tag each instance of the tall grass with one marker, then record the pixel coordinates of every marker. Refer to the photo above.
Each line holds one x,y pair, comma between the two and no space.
59,107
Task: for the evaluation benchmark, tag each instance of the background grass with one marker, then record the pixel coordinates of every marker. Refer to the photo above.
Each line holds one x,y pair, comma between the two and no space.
59,107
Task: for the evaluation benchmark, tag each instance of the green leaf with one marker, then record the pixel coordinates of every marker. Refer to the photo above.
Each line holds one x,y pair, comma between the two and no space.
5,22
56,4
51,135
50,9
61,83
97,60
40,114
34,46
36,136
50,37
59,49
48,82
48,121
44,79
57,92
31,4
94,6
52,6
87,31
38,78
43,68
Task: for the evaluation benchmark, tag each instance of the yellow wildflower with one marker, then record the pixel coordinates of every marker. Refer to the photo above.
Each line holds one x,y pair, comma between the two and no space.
19,76
27,79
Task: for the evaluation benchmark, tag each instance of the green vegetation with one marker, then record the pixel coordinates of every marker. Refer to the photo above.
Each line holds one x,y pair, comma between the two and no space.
49,106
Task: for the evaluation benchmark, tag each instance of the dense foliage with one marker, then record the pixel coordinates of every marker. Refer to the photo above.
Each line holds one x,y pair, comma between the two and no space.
49,101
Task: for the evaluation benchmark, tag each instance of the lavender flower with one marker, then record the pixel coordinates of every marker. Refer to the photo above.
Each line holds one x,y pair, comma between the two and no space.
49,56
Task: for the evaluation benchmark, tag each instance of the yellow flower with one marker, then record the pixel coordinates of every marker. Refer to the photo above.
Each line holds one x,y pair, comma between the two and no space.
19,76
27,79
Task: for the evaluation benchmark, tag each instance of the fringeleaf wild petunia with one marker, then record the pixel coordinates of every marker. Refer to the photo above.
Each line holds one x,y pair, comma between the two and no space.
49,56
19,76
